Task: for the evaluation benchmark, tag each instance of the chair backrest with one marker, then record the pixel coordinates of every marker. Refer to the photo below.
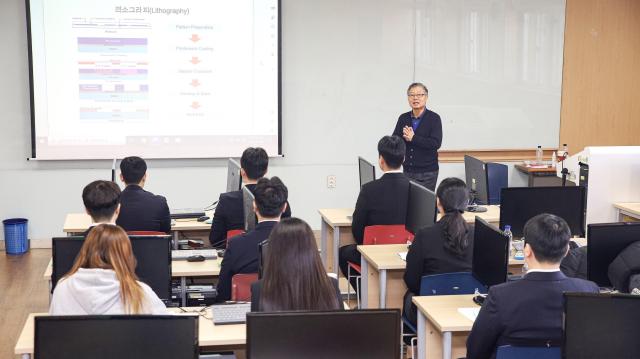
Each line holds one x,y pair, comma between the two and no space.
146,233
241,286
232,233
450,284
511,352
386,234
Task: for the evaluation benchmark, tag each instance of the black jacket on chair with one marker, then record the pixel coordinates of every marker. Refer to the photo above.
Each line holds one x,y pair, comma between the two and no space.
141,210
229,215
383,201
422,151
241,256
523,312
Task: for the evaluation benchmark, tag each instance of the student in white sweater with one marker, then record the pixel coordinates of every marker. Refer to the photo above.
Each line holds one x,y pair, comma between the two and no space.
103,279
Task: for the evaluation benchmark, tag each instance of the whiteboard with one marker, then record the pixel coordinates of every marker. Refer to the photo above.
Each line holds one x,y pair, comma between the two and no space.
493,69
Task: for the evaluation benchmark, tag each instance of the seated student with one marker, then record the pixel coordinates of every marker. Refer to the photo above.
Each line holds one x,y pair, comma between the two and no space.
102,202
383,201
528,312
229,213
103,279
444,247
293,275
141,210
241,255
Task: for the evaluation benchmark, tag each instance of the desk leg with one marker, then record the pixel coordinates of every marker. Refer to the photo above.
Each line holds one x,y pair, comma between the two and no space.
364,284
620,215
176,237
383,288
446,345
323,242
183,291
422,335
336,244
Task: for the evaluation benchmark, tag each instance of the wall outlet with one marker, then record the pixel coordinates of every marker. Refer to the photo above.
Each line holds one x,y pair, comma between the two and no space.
331,181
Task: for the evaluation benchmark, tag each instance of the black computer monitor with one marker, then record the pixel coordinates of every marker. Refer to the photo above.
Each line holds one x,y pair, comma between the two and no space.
367,171
153,256
519,204
476,177
313,335
116,336
234,181
490,254
601,326
421,207
247,208
604,242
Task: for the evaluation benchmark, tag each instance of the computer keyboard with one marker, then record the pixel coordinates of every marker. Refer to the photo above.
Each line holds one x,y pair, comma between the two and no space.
184,254
230,313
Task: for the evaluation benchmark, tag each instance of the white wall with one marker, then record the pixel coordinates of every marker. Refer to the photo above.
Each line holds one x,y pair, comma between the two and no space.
325,126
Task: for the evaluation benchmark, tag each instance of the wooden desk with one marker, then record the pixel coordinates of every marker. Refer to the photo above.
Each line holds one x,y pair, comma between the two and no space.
209,334
442,330
538,177
179,268
382,280
628,212
75,223
335,230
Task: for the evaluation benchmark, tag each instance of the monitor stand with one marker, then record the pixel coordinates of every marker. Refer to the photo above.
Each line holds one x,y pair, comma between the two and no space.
475,208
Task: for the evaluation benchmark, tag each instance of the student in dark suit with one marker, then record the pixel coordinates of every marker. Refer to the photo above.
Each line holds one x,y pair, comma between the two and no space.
293,275
383,201
241,255
529,311
102,202
141,210
444,247
229,212
422,131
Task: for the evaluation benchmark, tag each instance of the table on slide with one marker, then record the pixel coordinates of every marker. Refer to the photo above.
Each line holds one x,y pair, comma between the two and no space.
209,335
442,329
335,230
179,269
628,211
75,223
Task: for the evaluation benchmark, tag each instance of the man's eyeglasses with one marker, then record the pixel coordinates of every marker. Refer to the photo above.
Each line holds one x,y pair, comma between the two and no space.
417,95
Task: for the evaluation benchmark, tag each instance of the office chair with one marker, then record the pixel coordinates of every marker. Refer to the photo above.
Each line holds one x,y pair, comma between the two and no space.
513,352
241,286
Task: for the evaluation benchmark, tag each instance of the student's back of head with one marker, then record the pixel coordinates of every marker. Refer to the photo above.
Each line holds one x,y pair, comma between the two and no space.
254,163
270,197
453,198
392,150
103,278
294,277
548,237
101,200
132,169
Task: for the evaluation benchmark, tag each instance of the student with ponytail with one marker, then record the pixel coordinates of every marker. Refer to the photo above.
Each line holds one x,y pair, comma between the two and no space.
444,247
103,279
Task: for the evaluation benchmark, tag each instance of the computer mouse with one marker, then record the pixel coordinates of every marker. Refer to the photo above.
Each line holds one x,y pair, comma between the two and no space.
196,258
203,218
220,253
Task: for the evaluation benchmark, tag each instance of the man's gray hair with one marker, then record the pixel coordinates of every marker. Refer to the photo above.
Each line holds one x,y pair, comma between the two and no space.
417,84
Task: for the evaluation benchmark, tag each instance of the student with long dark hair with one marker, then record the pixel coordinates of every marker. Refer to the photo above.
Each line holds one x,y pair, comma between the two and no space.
293,275
103,279
444,247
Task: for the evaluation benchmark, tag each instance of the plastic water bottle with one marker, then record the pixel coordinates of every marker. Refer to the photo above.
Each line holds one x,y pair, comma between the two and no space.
539,155
507,232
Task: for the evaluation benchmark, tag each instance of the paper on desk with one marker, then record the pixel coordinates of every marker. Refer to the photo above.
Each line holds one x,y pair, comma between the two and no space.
403,255
470,313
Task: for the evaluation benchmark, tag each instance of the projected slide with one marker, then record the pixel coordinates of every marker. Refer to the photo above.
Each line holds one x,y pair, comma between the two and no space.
188,79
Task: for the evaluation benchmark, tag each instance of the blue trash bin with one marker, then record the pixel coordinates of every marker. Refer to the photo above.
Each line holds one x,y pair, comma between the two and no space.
16,240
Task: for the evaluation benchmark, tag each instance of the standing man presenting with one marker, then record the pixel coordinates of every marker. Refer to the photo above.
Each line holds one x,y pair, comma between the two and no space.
421,130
